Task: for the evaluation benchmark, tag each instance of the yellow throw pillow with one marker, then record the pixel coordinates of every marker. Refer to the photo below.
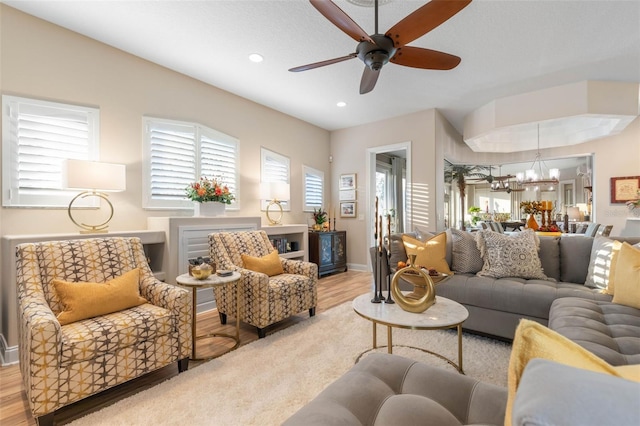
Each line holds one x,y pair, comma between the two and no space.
615,248
625,276
430,253
533,340
82,300
269,264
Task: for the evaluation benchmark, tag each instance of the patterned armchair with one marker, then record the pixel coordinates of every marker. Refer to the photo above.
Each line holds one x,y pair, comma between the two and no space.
61,364
264,300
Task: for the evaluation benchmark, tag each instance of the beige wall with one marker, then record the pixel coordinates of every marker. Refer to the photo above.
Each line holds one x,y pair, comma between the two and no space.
349,146
44,61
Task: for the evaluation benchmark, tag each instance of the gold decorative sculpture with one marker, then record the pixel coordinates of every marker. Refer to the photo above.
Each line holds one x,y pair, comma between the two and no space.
424,291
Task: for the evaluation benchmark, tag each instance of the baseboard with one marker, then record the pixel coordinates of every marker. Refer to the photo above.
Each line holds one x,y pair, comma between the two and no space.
206,306
358,267
8,355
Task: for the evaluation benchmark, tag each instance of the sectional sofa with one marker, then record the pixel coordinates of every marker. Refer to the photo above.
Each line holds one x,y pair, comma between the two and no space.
496,305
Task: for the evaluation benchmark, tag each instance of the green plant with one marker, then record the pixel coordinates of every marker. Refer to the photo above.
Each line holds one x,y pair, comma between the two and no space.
633,204
319,216
458,173
206,190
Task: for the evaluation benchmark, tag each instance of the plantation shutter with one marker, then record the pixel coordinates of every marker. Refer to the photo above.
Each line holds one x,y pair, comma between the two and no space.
40,135
313,188
180,153
219,156
172,160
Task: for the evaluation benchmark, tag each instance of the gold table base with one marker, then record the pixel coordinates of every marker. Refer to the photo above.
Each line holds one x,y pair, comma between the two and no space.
390,345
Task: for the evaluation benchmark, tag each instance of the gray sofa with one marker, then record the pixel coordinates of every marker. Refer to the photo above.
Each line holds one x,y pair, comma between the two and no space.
496,305
387,389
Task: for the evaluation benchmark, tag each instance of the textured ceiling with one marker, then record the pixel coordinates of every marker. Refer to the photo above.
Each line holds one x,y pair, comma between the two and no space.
507,48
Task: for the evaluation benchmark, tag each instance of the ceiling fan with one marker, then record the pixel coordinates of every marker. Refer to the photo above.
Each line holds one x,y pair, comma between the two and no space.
377,49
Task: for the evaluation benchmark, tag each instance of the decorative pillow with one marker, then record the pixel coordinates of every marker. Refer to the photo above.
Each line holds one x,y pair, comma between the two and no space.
533,340
82,300
431,253
600,262
269,264
466,257
514,255
612,267
625,276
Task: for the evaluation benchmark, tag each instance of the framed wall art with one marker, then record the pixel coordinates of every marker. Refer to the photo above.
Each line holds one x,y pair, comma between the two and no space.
348,181
348,209
624,189
348,195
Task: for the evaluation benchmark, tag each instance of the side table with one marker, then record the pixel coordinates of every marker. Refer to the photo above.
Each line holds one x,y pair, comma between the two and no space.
186,280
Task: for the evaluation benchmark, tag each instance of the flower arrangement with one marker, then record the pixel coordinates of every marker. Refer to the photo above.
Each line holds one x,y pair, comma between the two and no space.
531,207
319,216
206,190
633,204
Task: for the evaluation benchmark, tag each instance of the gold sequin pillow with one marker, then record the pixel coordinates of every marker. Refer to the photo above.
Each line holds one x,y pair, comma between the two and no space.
82,300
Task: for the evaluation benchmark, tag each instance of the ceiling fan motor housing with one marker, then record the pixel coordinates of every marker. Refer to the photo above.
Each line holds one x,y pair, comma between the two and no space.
375,55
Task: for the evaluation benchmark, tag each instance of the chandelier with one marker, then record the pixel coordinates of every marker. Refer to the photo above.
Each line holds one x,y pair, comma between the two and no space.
534,178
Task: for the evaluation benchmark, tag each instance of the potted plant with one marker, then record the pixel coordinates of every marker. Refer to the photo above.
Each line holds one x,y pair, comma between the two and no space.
531,208
319,217
474,210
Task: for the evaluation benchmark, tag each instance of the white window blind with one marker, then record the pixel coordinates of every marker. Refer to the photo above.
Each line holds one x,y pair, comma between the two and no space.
37,137
274,168
179,153
313,188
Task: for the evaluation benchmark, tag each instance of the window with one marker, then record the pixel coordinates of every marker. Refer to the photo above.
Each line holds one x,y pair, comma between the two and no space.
274,168
179,153
313,189
36,137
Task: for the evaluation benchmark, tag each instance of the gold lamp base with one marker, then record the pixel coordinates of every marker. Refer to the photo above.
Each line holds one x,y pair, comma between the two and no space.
271,220
101,228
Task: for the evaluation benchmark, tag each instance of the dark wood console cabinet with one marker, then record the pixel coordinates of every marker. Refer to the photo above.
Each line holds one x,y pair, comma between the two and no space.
328,250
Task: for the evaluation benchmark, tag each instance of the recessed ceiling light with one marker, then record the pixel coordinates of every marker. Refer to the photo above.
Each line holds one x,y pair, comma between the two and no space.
256,57
341,104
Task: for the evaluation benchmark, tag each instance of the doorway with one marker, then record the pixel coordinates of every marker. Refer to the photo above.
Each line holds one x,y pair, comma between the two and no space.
388,175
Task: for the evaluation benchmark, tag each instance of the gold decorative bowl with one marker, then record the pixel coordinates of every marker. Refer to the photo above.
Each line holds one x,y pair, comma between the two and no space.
201,272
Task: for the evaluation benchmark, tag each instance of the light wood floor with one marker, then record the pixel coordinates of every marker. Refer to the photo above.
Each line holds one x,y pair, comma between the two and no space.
14,408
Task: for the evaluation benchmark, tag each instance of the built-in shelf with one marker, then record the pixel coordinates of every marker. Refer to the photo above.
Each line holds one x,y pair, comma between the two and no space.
292,236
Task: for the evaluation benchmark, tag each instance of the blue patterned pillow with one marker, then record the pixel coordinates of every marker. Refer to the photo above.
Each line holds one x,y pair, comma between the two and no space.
514,255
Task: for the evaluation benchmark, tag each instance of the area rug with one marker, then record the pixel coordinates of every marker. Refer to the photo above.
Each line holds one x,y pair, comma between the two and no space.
265,382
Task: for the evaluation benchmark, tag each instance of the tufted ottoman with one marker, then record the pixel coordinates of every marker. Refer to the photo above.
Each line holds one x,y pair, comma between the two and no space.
609,330
387,389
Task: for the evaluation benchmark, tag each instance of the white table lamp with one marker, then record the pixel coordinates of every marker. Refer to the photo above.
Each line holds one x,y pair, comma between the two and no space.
276,192
94,179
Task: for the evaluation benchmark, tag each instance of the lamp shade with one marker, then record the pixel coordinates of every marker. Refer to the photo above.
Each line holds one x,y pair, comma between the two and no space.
573,213
275,191
93,176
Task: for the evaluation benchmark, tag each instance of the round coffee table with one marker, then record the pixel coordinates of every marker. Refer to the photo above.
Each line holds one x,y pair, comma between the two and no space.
443,314
186,280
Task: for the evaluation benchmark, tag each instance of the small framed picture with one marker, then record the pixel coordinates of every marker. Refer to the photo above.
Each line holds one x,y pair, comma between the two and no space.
624,189
348,209
348,181
348,195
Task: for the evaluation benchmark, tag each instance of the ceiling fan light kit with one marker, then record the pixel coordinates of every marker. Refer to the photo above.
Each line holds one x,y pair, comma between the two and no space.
377,49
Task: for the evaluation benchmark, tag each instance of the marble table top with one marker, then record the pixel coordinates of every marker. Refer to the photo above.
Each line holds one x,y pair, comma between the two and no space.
444,313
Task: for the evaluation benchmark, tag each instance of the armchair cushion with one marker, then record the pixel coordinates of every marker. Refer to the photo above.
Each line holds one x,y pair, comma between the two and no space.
269,264
82,300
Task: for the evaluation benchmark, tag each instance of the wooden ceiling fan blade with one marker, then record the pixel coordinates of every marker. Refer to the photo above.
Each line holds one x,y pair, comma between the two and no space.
424,19
341,20
322,63
418,57
368,81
